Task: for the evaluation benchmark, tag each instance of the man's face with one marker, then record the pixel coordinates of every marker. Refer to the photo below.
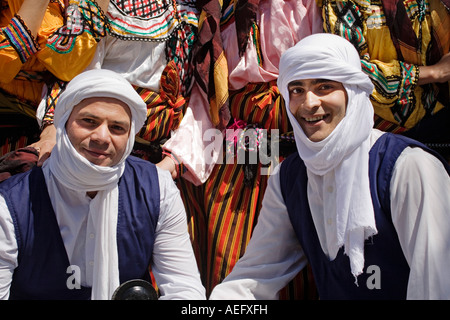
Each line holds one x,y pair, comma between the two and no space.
318,105
98,129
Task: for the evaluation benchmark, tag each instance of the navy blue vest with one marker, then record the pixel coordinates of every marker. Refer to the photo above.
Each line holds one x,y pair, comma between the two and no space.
43,262
333,278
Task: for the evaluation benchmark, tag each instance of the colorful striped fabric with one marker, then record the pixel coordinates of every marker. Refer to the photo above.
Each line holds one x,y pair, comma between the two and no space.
165,109
21,39
210,63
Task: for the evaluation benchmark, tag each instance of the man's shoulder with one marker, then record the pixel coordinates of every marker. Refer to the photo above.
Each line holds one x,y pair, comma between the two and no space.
293,159
144,171
136,162
16,180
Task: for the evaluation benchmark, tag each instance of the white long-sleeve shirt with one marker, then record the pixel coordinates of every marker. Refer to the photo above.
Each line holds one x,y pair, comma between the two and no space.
174,265
420,205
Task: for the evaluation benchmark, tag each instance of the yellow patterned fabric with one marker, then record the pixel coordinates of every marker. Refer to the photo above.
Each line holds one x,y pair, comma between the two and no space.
25,79
399,103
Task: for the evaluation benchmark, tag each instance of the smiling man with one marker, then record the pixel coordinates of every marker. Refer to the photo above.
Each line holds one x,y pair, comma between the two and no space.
323,102
368,210
92,214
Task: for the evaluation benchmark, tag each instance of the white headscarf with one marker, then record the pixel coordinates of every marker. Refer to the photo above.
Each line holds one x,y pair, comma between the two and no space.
77,173
344,154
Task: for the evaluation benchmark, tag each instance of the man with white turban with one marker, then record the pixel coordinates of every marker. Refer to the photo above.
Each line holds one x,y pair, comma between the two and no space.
358,204
94,217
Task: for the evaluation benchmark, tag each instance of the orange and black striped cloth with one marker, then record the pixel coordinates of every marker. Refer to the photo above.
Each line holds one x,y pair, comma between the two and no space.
165,111
223,211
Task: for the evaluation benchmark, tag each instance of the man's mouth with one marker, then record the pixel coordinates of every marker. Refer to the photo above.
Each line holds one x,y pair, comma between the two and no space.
315,119
96,153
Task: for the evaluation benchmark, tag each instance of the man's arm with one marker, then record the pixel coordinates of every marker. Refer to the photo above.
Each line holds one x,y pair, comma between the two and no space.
273,256
174,265
32,12
437,73
8,250
420,205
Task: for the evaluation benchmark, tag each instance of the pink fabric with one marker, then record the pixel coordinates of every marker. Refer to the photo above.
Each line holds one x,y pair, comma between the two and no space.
282,24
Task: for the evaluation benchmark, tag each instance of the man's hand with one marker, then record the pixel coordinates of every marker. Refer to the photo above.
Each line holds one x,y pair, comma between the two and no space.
437,73
45,144
168,164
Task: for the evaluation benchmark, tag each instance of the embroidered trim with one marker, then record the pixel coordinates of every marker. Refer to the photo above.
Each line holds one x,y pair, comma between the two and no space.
349,24
257,42
54,91
406,98
386,86
21,39
94,17
167,18
85,17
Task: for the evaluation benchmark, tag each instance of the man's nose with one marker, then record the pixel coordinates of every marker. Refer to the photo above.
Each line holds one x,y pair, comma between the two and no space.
101,134
311,100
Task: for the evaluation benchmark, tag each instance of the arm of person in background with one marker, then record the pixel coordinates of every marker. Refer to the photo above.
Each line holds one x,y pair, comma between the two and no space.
273,256
420,212
32,13
19,38
437,73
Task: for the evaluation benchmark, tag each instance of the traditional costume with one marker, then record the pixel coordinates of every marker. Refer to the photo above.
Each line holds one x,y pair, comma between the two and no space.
135,220
359,200
236,60
393,39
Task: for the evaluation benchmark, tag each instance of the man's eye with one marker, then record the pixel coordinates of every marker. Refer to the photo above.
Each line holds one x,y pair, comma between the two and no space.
296,90
326,86
88,120
117,128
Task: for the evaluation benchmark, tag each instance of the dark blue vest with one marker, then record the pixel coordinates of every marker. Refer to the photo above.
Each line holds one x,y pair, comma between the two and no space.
333,278
43,262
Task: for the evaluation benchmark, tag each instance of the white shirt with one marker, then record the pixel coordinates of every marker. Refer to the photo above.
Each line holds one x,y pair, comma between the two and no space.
174,265
420,205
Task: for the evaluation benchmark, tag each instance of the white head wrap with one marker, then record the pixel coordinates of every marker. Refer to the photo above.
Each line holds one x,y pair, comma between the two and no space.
75,172
341,159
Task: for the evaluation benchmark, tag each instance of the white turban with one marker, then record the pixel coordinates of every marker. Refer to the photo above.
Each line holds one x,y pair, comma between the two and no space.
75,172
342,159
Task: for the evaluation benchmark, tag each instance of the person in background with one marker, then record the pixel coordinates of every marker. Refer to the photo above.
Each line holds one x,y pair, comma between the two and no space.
404,49
236,61
93,217
365,208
